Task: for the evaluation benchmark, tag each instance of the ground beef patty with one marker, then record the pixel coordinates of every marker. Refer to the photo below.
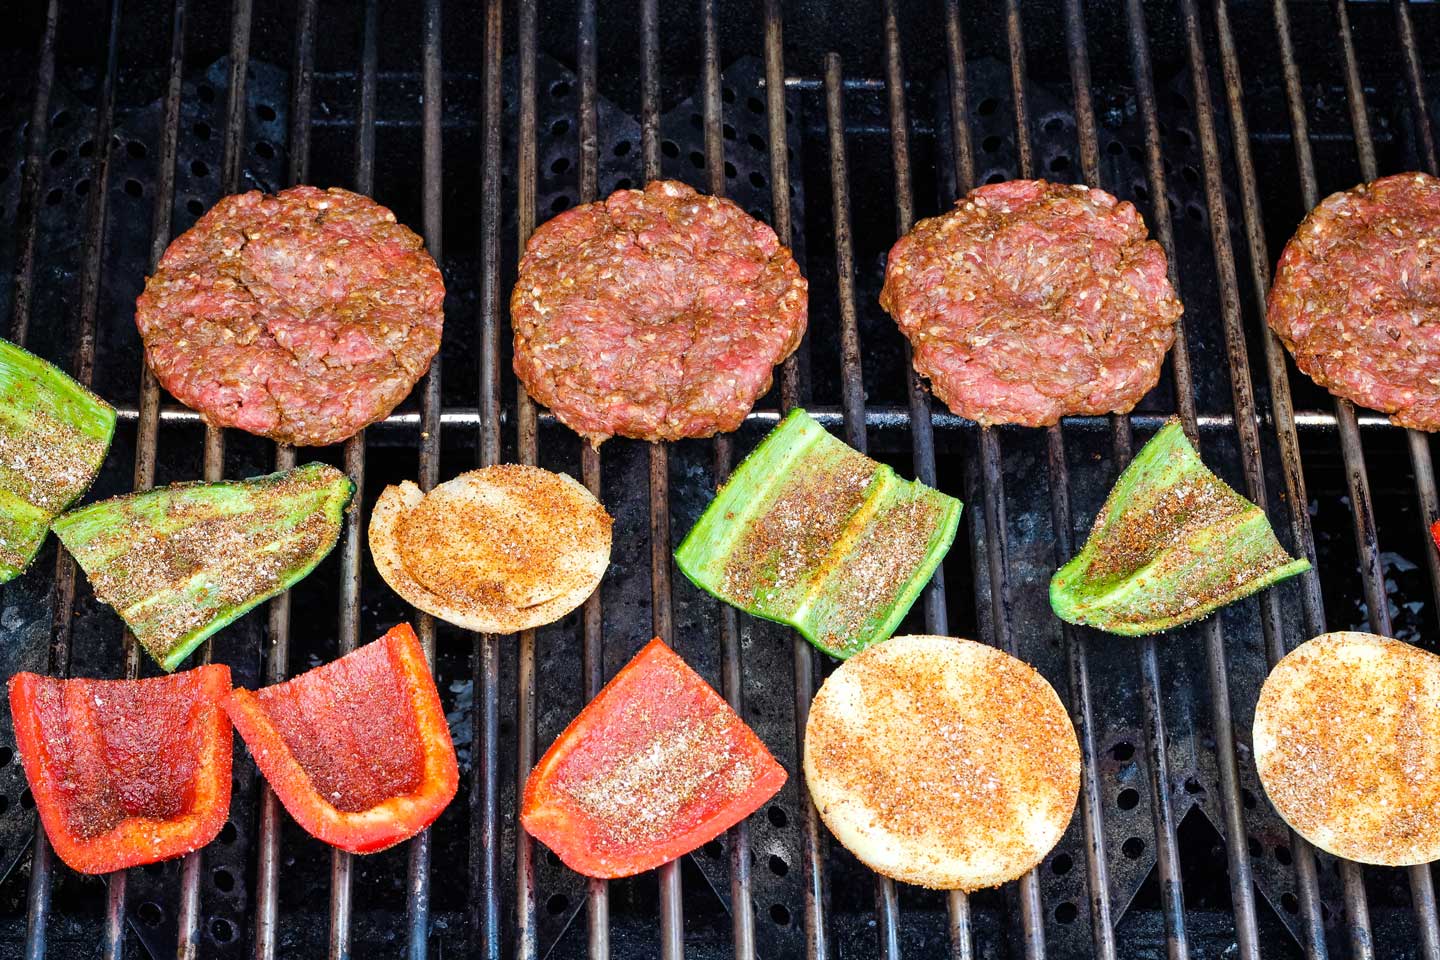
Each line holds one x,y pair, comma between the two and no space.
1357,297
301,316
655,314
1031,301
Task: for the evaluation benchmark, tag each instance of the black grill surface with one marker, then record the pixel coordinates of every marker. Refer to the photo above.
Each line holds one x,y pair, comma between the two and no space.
335,94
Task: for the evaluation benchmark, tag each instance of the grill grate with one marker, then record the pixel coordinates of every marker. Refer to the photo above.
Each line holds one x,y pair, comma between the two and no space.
887,114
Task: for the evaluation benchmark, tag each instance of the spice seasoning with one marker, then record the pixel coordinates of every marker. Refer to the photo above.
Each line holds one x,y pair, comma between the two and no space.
180,562
812,533
54,435
1172,544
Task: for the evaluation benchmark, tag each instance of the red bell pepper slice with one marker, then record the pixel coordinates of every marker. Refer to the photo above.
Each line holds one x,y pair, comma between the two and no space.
358,749
125,772
1435,533
654,767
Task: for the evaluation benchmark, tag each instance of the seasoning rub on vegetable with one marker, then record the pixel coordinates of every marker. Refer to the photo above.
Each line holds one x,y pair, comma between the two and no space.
1172,544
357,749
53,437
812,533
654,767
125,772
183,561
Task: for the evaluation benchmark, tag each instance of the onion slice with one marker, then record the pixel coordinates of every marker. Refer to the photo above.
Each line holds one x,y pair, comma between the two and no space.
497,550
942,762
1347,744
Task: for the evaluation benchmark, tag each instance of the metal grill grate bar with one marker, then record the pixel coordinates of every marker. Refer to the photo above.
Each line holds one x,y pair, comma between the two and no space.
958,903
267,869
1245,414
63,597
887,907
37,896
1242,893
1076,655
1422,883
597,892
742,909
27,215
147,428
188,932
1356,906
113,935
922,434
484,862
672,906
1059,481
1414,76
1157,738
817,937
526,938
780,173
144,475
418,886
341,862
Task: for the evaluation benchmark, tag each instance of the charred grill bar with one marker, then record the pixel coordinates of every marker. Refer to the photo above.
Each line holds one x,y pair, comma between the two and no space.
267,881
741,907
341,866
418,879
526,428
1058,476
597,911
38,898
1244,405
147,428
495,926
484,858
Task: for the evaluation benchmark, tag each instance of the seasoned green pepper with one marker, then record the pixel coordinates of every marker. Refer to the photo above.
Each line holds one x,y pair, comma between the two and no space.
183,561
812,533
53,437
1172,544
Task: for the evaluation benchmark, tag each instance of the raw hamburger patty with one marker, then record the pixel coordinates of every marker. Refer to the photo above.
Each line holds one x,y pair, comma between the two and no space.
1357,297
1030,301
656,314
301,316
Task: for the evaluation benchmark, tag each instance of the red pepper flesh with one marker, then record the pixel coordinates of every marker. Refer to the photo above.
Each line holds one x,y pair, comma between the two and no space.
125,772
1435,532
655,766
358,750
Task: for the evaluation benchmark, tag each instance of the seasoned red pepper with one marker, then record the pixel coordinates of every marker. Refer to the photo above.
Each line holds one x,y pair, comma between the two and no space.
125,772
357,750
654,767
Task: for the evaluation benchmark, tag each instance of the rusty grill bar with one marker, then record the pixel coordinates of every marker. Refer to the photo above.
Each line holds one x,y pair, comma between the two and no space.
507,697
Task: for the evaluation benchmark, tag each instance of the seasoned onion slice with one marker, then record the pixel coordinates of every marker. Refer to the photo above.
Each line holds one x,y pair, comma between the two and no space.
942,762
1347,743
497,550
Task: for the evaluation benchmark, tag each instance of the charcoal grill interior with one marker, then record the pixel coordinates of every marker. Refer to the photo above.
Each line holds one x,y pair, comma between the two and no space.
839,124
